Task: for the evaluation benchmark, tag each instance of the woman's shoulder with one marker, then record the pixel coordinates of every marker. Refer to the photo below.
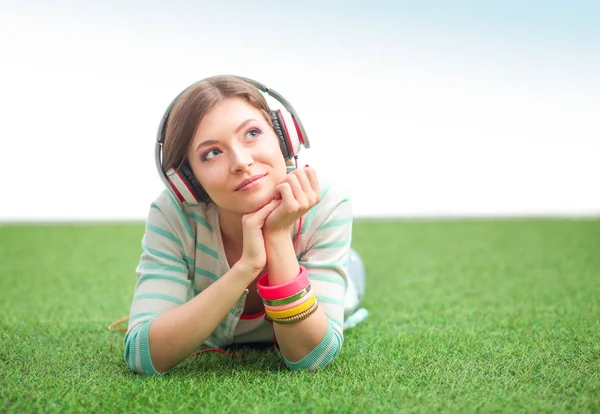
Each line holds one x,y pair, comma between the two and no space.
166,205
335,204
334,192
329,222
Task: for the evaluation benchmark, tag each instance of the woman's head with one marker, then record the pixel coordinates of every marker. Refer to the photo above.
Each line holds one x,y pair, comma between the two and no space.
221,126
192,106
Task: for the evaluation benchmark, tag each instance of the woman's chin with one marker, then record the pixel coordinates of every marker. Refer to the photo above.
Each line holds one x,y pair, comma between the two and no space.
249,203
256,203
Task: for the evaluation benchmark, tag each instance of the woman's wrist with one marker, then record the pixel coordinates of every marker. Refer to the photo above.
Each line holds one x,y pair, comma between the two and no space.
282,264
246,270
276,236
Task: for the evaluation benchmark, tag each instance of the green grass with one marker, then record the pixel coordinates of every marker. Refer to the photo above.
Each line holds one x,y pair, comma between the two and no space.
490,316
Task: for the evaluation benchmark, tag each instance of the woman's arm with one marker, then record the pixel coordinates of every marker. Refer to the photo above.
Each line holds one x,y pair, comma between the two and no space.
174,335
326,236
165,326
298,339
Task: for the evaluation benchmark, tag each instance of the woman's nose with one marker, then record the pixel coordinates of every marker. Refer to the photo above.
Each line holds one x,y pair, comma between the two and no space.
242,159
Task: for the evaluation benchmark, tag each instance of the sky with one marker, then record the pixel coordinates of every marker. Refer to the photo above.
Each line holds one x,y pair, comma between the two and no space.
430,108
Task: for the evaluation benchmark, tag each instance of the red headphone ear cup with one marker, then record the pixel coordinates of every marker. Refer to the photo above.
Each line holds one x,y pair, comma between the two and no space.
301,139
291,131
199,192
284,141
185,186
178,186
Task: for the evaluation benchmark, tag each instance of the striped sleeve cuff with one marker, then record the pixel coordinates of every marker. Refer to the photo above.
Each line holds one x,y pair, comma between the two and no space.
323,354
137,351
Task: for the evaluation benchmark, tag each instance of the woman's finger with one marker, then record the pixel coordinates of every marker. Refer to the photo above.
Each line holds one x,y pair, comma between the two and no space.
267,209
261,214
306,186
297,190
311,174
290,204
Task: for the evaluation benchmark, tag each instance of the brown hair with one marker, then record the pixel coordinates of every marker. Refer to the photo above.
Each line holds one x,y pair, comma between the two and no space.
194,103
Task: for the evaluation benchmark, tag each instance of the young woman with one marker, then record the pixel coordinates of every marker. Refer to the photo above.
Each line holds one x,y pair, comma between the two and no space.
243,246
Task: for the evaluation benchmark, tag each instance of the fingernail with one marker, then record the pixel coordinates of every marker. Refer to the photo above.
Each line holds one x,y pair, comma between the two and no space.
306,165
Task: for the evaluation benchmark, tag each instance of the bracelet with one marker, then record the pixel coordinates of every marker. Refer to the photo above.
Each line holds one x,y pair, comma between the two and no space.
289,299
284,290
294,311
297,318
290,305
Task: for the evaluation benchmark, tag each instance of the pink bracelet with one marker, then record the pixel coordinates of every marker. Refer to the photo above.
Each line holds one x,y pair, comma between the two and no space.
288,305
284,290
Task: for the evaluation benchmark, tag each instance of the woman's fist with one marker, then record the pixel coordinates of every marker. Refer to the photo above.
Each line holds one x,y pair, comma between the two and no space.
298,193
254,255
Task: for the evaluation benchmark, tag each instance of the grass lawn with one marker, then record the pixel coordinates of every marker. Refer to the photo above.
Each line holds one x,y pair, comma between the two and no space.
473,315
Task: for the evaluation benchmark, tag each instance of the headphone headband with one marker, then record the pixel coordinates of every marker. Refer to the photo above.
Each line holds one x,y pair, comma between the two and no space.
286,104
160,136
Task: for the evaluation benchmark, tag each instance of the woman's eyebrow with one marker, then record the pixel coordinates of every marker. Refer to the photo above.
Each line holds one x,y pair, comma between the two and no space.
237,130
243,124
206,143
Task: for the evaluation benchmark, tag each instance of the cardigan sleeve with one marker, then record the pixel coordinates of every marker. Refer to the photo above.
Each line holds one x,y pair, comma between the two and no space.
163,282
327,234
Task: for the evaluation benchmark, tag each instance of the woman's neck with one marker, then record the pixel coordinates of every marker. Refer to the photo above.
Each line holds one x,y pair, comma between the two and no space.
230,224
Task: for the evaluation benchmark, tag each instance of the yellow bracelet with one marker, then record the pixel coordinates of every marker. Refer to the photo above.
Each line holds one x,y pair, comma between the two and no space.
294,311
300,317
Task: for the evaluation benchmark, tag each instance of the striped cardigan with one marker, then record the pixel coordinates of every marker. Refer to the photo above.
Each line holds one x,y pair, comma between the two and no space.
182,254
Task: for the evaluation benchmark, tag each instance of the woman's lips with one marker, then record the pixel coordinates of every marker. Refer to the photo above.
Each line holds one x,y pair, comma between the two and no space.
251,182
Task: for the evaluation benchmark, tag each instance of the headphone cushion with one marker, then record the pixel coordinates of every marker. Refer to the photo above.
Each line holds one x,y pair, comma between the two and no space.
188,175
278,126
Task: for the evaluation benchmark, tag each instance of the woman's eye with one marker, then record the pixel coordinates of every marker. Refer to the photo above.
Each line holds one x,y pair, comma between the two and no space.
210,154
253,133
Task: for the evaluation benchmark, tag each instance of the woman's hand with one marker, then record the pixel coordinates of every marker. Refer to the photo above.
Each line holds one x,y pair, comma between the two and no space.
298,193
254,255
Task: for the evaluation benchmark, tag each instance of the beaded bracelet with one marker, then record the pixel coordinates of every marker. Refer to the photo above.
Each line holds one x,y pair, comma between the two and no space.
297,318
296,310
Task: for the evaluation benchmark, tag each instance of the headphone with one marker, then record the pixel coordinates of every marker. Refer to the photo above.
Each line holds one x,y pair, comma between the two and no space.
183,184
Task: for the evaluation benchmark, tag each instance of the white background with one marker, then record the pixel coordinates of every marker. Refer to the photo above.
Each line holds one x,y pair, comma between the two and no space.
419,110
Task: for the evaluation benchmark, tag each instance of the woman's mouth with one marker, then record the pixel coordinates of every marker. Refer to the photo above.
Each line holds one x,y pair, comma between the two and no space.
250,183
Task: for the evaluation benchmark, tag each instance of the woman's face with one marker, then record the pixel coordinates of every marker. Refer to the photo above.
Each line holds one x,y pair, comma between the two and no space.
234,144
